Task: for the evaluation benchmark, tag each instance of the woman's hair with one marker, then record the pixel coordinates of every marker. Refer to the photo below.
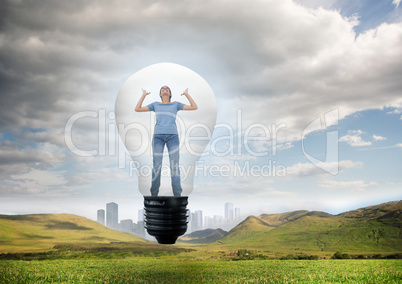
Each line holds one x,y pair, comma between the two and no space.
170,92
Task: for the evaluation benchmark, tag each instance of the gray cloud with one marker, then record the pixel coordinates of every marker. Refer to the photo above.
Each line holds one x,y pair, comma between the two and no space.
278,62
302,170
15,160
76,56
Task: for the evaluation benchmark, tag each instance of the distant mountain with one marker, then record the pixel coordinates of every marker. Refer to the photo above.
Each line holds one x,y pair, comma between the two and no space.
373,229
43,231
203,236
375,211
280,219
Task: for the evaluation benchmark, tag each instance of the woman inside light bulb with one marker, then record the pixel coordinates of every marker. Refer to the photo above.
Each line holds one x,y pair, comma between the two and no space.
165,133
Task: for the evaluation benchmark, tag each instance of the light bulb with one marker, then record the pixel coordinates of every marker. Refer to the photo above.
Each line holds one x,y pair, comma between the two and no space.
165,215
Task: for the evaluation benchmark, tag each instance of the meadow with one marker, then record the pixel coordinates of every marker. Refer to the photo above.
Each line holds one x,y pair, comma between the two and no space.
361,246
200,271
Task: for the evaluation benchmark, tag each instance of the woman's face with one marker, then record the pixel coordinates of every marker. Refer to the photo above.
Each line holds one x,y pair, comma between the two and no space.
165,91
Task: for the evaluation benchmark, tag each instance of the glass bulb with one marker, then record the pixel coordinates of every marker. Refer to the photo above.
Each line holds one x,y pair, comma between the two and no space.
194,127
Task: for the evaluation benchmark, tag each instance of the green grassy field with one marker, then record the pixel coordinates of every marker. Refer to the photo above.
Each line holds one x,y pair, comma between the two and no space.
370,230
63,248
41,232
211,271
375,231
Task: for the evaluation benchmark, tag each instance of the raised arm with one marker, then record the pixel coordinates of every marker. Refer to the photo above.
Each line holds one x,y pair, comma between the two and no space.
193,105
139,106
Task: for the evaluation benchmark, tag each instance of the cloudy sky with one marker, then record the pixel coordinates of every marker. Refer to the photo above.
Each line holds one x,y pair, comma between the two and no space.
309,101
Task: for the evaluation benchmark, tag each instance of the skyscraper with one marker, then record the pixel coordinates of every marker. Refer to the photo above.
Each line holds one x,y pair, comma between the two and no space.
218,221
229,214
127,226
237,214
207,222
198,216
101,217
140,224
112,217
196,220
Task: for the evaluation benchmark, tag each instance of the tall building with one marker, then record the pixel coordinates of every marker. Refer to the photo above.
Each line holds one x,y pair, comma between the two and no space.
218,221
112,215
141,215
127,226
237,214
229,214
196,221
208,222
101,217
198,216
140,224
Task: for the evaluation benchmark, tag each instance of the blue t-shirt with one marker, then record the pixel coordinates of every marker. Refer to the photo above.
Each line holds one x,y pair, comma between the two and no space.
165,116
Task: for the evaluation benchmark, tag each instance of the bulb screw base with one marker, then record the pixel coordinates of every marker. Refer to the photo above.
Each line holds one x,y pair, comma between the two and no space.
166,217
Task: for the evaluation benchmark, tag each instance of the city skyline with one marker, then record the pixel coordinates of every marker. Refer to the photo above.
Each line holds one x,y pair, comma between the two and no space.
196,220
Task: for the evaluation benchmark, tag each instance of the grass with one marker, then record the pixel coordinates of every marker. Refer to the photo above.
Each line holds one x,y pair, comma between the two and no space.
316,235
100,251
62,248
41,232
212,271
374,229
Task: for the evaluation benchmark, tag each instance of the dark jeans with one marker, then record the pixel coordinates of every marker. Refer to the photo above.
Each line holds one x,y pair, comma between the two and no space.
158,144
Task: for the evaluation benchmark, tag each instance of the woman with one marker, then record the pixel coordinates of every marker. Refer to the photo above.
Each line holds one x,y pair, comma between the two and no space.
165,133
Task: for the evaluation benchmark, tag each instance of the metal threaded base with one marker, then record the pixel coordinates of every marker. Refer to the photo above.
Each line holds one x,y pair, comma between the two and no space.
166,217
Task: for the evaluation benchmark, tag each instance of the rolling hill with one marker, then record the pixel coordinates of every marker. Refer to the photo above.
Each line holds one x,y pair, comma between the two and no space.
369,230
203,236
44,231
374,229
